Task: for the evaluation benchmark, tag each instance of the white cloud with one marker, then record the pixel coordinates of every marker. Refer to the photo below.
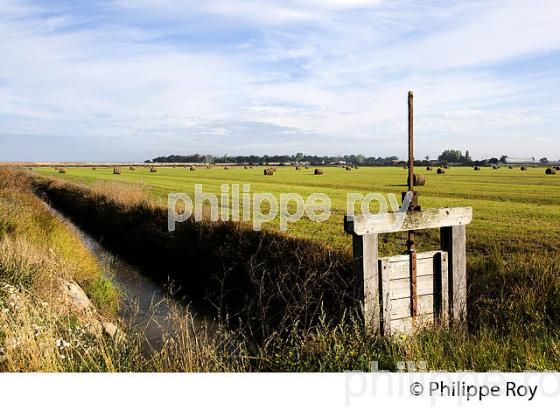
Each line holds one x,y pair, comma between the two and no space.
270,12
332,75
493,34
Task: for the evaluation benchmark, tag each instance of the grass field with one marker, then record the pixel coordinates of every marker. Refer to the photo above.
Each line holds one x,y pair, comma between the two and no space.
513,263
514,210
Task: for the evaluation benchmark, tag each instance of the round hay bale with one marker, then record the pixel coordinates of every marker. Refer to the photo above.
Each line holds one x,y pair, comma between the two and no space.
306,167
61,171
298,168
495,167
557,168
116,171
131,168
245,167
523,168
477,168
428,168
226,168
356,167
94,168
446,166
550,171
510,167
348,168
418,180
268,171
318,171
441,171
153,169
192,168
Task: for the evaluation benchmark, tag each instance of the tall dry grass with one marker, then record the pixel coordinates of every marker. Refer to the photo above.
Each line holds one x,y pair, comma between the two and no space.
22,264
36,338
127,194
37,252
36,246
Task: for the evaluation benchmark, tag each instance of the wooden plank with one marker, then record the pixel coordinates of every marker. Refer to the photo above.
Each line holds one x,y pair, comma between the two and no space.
366,272
397,222
400,308
453,240
385,290
401,288
399,265
405,326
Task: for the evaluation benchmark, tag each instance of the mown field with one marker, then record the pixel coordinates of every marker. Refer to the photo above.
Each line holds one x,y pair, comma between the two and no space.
513,265
513,209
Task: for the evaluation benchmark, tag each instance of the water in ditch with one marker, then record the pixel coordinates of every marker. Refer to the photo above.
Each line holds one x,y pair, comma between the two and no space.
145,304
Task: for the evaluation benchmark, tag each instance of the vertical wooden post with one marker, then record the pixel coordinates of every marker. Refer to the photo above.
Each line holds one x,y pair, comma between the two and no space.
385,299
453,241
441,288
365,251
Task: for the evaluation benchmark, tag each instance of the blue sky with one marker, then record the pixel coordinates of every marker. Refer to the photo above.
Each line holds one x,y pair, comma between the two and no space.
134,79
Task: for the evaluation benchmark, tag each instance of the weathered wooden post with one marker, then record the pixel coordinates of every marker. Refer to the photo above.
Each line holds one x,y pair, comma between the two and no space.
401,293
367,288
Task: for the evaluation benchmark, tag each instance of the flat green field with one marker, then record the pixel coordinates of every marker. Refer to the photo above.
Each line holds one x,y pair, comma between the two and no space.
513,209
513,293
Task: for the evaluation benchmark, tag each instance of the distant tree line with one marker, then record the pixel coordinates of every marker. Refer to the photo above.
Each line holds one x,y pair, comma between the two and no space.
449,156
265,159
452,156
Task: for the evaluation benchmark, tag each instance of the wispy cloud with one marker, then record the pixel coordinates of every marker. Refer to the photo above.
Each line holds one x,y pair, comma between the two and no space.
132,79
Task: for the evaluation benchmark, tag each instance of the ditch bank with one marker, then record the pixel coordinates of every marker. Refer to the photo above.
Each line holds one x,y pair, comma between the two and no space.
259,280
145,304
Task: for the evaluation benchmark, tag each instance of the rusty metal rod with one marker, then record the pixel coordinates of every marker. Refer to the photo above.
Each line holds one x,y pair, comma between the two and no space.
410,142
411,244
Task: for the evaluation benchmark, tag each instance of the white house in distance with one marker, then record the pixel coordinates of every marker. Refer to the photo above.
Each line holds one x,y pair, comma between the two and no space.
520,161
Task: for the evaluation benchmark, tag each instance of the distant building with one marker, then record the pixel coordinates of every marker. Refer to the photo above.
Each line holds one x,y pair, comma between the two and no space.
531,160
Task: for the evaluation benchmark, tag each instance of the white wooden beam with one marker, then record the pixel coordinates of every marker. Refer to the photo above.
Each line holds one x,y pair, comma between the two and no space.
410,221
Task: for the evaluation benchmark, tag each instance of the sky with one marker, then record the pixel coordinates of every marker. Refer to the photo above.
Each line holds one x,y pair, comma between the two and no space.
129,80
